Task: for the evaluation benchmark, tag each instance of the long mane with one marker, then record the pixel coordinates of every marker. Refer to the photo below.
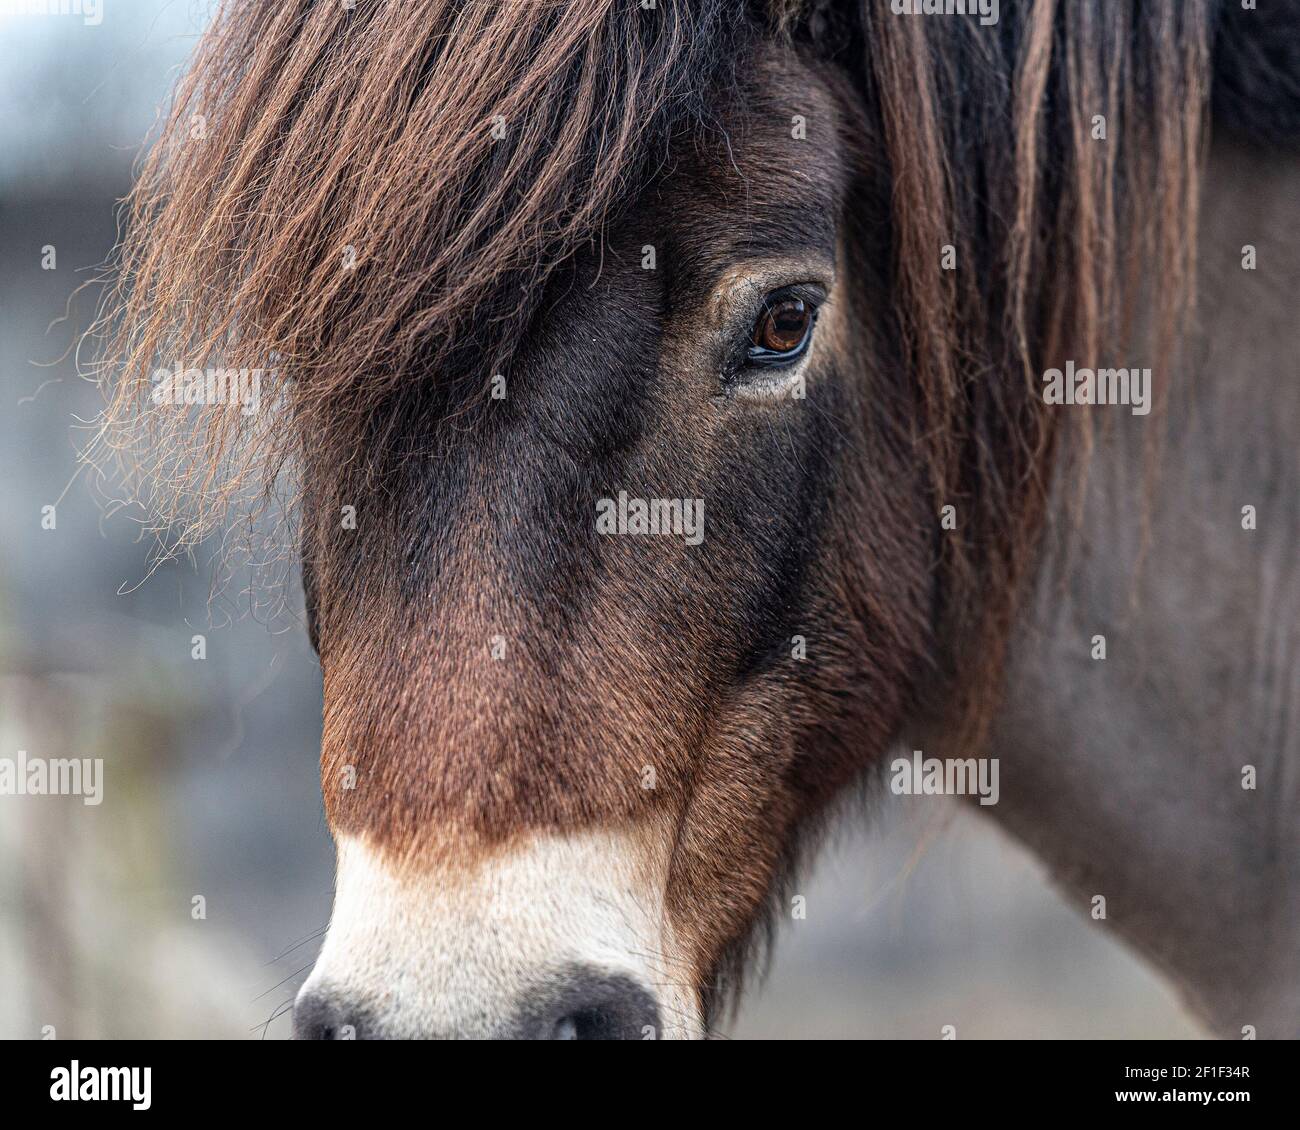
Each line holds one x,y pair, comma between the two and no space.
1060,161
356,198
350,198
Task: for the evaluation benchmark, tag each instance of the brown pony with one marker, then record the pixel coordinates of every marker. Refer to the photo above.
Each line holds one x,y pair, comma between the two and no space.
661,390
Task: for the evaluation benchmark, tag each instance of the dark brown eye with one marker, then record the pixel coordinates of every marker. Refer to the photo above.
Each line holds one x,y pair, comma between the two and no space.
782,331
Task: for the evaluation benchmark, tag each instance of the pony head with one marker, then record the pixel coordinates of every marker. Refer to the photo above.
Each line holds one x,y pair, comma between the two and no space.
659,383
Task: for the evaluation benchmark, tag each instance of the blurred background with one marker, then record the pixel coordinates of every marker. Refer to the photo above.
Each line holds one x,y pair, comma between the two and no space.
919,917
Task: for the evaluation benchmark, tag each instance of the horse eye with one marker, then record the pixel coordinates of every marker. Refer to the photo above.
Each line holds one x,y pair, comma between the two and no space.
782,330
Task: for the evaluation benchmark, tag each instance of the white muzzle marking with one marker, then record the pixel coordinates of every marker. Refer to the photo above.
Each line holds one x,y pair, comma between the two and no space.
460,952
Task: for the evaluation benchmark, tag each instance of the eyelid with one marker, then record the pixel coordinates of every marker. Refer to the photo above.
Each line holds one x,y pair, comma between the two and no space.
812,293
736,299
773,384
745,313
755,381
740,290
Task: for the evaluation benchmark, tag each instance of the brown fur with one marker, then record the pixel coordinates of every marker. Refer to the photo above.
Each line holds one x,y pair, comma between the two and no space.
371,129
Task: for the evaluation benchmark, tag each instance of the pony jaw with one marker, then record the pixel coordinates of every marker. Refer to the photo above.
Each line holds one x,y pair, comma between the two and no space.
485,950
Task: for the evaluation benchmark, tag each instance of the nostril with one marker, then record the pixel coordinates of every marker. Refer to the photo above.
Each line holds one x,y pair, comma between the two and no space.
322,1015
576,1004
593,1024
586,1005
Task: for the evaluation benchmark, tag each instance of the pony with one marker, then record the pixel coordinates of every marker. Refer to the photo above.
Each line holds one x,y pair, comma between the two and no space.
666,401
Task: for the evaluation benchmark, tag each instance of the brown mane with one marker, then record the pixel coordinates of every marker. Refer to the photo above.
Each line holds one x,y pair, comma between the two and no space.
304,129
1066,247
325,128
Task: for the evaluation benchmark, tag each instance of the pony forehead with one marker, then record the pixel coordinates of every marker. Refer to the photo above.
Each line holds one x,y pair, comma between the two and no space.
358,190
382,192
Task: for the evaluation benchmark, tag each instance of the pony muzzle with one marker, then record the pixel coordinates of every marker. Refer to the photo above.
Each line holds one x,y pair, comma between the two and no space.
554,937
